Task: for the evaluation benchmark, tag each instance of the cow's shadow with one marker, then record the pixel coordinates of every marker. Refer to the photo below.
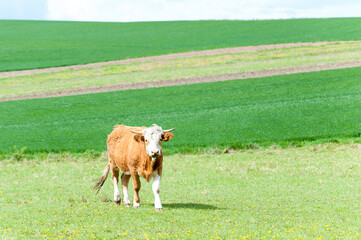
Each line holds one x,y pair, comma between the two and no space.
189,206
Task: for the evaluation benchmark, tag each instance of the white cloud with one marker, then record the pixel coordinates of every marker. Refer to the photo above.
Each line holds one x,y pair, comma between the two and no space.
337,10
161,10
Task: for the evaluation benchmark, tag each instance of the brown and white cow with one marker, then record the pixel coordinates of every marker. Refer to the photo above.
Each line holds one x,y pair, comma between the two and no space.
136,151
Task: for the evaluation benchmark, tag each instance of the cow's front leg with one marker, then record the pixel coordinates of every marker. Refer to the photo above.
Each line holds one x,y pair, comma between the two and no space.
115,179
125,181
136,185
156,190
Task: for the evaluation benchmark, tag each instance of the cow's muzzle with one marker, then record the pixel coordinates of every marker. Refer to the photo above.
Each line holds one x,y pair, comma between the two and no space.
155,154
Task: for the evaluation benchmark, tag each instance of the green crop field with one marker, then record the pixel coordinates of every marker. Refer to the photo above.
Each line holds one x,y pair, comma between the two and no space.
293,193
36,44
278,110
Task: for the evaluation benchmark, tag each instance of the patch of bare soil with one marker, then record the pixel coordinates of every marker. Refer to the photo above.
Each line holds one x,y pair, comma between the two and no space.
182,81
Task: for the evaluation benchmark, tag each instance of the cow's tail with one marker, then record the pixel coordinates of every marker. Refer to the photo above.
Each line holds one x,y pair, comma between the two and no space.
100,181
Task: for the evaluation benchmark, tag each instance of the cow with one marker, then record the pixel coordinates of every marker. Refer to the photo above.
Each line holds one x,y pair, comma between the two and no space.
136,151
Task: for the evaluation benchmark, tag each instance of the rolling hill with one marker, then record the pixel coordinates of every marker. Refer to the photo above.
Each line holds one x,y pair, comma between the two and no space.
42,44
277,110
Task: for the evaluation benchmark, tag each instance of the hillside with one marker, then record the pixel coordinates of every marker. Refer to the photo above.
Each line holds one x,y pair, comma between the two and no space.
37,44
279,110
292,109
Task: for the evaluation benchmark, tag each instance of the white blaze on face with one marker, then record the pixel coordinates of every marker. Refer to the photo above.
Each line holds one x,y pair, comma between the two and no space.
152,138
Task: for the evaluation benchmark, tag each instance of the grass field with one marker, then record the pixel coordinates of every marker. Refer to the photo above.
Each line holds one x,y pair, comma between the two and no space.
36,44
184,67
279,110
293,193
275,186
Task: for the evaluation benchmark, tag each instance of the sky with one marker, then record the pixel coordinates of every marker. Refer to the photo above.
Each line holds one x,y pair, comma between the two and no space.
169,10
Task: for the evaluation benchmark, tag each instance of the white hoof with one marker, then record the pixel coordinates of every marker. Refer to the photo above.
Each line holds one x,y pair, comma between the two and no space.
136,205
117,199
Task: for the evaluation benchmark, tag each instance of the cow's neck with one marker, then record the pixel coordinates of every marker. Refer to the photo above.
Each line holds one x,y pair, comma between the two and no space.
149,166
153,161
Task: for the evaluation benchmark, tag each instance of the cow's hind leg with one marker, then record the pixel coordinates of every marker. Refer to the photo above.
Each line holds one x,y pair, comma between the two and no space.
115,179
136,185
125,181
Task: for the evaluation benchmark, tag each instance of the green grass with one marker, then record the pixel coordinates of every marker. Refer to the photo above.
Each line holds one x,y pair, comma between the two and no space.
37,44
185,67
293,193
278,110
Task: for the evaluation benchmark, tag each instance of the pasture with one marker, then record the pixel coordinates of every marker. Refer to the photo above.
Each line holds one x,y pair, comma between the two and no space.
270,193
37,44
260,158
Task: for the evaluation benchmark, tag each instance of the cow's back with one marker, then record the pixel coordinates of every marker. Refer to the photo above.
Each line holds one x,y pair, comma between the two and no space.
121,145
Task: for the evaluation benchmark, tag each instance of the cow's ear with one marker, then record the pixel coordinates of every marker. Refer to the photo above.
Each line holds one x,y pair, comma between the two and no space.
167,136
139,137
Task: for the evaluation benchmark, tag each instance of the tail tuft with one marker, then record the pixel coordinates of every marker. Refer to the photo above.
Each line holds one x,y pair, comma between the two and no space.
100,181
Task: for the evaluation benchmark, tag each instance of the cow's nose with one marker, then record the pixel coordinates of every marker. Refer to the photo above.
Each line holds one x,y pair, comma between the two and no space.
155,153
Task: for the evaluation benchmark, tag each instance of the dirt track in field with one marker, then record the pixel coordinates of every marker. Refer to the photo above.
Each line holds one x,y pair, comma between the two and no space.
179,81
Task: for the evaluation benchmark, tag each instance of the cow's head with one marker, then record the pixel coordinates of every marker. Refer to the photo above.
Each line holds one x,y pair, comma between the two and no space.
152,138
